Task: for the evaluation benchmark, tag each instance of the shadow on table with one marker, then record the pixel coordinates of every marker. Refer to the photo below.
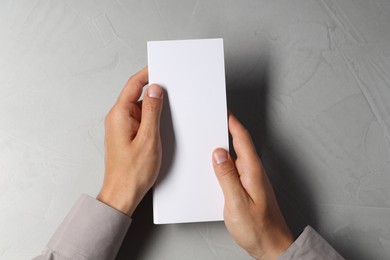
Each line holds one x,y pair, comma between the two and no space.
140,232
249,95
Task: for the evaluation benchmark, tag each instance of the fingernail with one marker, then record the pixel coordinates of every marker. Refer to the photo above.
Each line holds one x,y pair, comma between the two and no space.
220,156
154,91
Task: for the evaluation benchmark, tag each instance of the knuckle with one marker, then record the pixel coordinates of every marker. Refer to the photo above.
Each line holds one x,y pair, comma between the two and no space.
245,132
227,172
108,118
150,106
111,116
132,78
135,80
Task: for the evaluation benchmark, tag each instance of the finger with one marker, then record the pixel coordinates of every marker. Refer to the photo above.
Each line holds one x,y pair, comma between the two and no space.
151,110
133,88
242,141
227,175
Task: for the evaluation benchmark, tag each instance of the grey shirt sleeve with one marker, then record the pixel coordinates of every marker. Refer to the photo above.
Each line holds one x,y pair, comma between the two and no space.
91,230
94,230
310,245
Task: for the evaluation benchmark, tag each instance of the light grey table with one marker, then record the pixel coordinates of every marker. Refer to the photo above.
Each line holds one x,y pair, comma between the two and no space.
310,79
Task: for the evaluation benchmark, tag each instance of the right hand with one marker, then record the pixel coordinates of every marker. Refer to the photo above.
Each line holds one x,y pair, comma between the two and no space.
133,146
251,212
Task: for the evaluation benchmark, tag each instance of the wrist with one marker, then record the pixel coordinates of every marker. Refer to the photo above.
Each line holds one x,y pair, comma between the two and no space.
125,203
275,245
277,249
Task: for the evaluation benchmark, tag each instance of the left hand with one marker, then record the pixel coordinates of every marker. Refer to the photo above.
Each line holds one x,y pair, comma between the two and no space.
132,144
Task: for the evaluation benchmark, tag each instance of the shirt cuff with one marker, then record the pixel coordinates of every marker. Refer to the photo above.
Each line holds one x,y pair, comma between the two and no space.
91,230
310,245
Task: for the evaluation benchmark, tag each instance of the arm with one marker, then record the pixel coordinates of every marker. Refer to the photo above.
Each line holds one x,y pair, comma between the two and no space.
95,228
91,230
251,212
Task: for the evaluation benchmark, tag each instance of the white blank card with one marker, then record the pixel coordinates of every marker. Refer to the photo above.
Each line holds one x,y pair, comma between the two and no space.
193,124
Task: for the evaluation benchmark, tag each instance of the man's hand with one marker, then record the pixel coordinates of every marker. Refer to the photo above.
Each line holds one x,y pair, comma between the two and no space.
133,146
251,213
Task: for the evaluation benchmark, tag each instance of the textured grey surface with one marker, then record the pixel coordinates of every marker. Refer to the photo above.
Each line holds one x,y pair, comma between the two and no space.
310,79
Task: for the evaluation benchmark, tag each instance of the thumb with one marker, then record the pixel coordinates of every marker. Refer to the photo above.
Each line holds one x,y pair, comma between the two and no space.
151,110
227,175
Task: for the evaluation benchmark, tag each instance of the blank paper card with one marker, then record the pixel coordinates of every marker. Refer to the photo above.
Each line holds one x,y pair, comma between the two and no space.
193,124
